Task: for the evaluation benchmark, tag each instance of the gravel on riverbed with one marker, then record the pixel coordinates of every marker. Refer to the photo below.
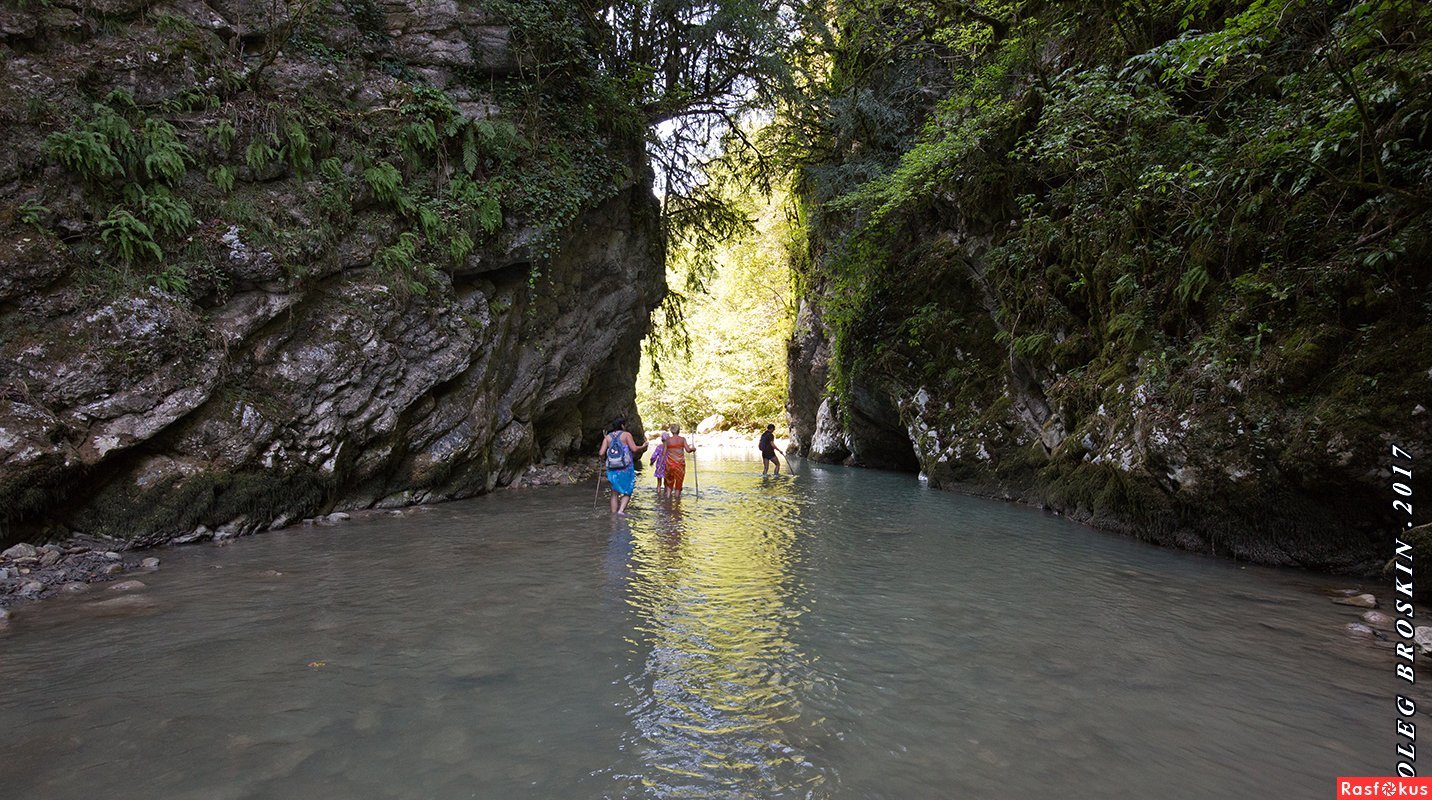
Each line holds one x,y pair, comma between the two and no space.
29,572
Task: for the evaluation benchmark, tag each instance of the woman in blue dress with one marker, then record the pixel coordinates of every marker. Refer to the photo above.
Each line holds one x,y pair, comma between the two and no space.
619,450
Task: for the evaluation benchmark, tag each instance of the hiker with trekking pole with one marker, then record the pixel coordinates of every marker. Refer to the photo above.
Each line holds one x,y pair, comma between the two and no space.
768,449
676,449
619,451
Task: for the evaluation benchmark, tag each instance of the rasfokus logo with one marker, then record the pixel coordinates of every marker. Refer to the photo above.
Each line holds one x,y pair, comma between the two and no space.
1384,787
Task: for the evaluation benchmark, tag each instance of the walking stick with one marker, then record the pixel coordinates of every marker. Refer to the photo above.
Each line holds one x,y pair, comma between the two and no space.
598,495
695,476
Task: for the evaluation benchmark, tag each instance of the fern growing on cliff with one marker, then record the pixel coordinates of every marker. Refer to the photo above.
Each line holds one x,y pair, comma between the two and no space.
128,237
84,152
165,157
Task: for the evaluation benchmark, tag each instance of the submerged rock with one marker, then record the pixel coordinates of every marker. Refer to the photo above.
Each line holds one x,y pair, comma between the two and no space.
122,605
150,563
128,586
1357,600
1377,618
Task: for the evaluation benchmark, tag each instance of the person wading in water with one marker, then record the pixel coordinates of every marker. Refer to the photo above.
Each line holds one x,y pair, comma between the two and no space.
658,459
676,450
769,450
619,451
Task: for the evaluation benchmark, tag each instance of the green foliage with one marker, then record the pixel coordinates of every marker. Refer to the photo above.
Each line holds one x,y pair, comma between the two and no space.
32,214
731,359
173,280
165,157
300,149
222,133
260,154
85,152
222,176
1233,176
169,214
128,237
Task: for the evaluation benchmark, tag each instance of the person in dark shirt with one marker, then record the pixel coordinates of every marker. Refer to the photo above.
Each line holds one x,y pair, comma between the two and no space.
769,450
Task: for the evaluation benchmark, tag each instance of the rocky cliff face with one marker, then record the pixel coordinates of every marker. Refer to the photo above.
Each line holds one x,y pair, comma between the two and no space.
1107,275
262,261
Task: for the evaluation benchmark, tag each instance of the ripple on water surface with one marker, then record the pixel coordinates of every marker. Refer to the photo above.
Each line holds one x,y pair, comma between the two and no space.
832,634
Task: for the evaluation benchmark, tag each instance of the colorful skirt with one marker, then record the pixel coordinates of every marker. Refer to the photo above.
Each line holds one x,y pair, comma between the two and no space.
675,473
623,481
659,459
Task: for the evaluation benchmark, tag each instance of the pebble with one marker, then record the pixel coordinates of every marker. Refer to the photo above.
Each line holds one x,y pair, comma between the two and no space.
150,563
6,573
20,551
128,586
1377,618
1358,600
111,569
112,556
32,587
74,587
49,558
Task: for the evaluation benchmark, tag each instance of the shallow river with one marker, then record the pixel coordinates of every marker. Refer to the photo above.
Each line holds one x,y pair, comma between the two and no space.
835,634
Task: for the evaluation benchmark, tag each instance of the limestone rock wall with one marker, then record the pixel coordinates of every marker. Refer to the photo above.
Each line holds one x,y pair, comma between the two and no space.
304,343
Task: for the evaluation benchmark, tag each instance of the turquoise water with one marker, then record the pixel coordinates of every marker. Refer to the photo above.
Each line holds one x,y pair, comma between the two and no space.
835,634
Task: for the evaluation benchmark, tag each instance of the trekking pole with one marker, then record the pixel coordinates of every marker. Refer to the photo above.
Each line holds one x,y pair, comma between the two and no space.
695,476
598,495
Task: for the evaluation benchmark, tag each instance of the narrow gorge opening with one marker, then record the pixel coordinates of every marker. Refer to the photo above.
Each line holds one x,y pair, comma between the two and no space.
720,355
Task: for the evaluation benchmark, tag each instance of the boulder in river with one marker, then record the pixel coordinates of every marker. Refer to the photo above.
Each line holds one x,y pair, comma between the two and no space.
1359,629
1377,619
1358,600
150,563
711,423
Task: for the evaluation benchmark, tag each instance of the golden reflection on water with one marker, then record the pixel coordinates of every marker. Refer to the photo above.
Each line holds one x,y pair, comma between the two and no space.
716,709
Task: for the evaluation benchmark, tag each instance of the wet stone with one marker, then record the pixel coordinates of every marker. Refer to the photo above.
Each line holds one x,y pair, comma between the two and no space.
20,551
74,587
111,569
128,586
150,563
1357,600
1423,637
50,558
1377,619
32,587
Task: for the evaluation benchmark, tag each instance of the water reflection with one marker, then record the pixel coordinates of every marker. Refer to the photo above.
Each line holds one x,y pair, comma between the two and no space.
716,708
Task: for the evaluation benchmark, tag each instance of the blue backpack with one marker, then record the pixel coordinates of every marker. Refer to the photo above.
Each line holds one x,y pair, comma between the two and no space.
618,454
